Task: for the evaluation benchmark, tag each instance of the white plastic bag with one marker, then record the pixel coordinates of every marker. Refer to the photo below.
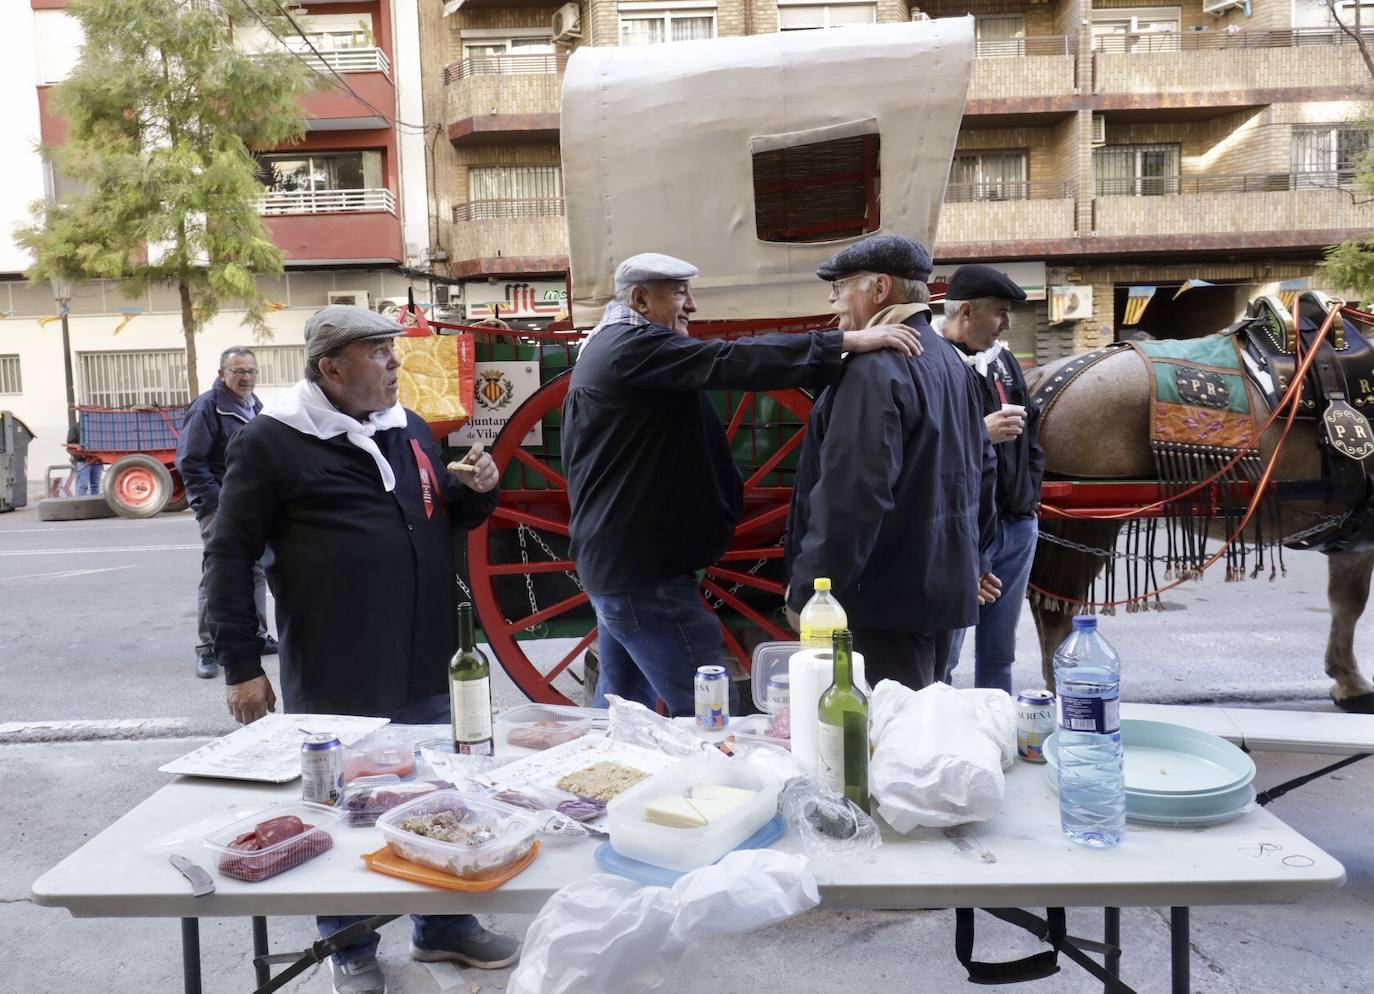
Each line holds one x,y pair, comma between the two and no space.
609,935
632,722
939,754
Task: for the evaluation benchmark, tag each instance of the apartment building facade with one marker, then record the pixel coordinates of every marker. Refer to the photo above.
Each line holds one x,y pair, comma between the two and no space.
348,206
1108,147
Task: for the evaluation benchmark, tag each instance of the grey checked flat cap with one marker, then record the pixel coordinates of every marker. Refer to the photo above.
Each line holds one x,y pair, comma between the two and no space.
649,266
339,324
975,282
890,254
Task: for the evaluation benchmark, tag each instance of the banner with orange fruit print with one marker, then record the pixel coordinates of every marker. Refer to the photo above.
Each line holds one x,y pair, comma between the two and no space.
437,378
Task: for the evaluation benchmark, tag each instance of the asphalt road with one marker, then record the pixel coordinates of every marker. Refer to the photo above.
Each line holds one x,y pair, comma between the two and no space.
97,627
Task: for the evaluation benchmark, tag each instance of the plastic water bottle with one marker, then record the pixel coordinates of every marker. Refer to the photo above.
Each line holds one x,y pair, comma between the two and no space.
1092,784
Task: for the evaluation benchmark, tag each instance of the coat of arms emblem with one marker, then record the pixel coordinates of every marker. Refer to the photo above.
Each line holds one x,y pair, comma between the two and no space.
494,389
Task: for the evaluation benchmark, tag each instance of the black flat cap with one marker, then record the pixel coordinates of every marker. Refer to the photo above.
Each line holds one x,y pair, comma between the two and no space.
975,282
890,254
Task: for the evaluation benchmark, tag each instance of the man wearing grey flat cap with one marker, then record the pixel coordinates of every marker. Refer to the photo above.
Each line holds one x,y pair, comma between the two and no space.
654,490
894,498
977,313
348,490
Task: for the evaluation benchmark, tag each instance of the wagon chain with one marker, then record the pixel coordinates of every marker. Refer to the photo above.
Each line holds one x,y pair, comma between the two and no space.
753,571
1327,521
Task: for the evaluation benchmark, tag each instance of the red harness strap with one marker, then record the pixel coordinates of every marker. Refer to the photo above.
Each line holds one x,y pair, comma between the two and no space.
429,480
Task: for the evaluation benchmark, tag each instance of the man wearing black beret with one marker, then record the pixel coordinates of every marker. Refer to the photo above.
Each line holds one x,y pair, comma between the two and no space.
977,313
894,497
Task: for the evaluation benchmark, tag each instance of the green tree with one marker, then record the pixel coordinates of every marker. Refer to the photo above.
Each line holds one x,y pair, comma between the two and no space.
163,114
1350,265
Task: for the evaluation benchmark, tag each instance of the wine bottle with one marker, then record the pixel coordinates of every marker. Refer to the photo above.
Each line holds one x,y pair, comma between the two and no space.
843,732
469,682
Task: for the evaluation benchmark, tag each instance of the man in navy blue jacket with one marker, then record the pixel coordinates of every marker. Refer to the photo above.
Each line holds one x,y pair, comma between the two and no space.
895,493
214,418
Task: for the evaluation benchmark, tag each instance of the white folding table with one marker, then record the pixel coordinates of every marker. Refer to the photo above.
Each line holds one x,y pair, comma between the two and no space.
1018,859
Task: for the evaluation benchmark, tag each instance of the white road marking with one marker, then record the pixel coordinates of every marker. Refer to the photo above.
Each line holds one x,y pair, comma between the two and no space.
64,574
110,548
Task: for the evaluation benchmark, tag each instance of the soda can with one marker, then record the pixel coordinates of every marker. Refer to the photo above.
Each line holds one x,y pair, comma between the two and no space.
713,697
1034,723
321,769
779,692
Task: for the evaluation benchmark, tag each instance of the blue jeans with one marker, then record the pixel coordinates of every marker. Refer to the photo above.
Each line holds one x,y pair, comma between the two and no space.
651,641
429,931
994,646
88,479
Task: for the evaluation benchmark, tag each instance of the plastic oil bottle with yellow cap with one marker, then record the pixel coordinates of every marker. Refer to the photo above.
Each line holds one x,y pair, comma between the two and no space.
821,616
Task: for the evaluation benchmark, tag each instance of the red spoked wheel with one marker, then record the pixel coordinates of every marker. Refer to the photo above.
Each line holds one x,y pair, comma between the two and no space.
536,616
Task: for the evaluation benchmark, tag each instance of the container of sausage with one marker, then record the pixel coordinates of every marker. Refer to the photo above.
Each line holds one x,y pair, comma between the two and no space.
273,840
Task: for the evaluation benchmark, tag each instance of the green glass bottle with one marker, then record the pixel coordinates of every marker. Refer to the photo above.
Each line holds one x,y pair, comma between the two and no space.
843,732
469,683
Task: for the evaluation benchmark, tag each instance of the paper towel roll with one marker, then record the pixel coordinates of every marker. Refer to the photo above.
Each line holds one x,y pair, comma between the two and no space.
811,672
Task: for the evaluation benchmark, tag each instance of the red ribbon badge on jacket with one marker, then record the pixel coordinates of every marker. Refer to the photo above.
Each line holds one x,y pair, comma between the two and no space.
429,480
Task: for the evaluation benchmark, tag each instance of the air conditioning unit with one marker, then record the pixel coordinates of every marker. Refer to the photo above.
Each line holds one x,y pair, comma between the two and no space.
1220,6
1070,303
353,298
1099,130
390,305
567,22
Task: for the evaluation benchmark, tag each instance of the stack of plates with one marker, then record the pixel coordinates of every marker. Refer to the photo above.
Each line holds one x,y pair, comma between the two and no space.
1177,775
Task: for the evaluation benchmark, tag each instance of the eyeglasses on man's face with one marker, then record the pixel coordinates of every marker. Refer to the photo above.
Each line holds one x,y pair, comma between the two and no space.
836,284
237,371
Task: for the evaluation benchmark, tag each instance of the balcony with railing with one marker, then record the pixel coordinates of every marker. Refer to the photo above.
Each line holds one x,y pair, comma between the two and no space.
504,98
1020,68
494,237
362,95
1005,212
1322,61
1300,210
334,225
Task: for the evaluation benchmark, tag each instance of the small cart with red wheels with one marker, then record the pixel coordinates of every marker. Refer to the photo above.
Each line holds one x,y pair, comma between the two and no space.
138,448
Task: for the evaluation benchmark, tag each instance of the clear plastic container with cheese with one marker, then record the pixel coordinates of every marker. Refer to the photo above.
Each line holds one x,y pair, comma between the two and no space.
730,816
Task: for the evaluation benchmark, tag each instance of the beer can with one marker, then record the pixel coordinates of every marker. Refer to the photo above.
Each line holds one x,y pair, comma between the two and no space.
1034,723
321,769
779,692
713,697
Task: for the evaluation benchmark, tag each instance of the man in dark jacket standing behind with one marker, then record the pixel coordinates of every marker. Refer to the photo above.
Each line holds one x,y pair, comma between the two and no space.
977,313
213,419
654,490
350,493
894,499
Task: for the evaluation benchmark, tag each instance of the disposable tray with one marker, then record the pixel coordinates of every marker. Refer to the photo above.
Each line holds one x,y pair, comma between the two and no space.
541,726
368,798
510,834
291,852
387,751
690,848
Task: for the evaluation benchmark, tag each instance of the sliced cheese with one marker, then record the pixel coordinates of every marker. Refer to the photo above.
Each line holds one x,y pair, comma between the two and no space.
715,801
673,812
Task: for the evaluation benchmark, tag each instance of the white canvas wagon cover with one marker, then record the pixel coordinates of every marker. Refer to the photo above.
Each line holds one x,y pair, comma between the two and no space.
659,145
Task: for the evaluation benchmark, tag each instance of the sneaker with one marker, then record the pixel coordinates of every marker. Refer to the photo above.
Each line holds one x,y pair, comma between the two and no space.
206,667
361,977
267,646
482,950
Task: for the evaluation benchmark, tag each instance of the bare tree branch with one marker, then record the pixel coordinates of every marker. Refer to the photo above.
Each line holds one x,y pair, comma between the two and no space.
1355,34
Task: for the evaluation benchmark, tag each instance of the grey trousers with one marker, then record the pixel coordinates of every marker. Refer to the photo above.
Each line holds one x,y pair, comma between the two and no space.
204,647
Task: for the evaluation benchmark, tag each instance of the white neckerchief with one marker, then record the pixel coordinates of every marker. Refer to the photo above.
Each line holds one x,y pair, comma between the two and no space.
305,408
980,361
615,313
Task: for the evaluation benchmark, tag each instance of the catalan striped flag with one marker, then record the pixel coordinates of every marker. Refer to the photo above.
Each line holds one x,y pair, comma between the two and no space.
1137,299
1289,290
1190,284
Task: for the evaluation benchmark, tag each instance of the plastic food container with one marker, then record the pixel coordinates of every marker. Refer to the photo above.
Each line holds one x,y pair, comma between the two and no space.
541,726
687,849
500,834
276,856
770,665
754,728
368,798
385,752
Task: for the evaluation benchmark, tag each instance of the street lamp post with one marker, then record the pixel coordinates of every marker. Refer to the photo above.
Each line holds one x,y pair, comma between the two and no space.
62,293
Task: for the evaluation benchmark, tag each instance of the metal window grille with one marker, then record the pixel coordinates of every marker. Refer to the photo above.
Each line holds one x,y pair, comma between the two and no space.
10,380
279,365
988,176
515,183
129,379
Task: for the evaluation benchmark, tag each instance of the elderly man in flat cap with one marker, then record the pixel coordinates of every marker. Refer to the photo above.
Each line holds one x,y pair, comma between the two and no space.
654,491
894,499
348,490
977,313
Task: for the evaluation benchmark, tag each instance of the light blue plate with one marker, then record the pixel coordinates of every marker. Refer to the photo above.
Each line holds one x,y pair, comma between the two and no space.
1169,762
1182,810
